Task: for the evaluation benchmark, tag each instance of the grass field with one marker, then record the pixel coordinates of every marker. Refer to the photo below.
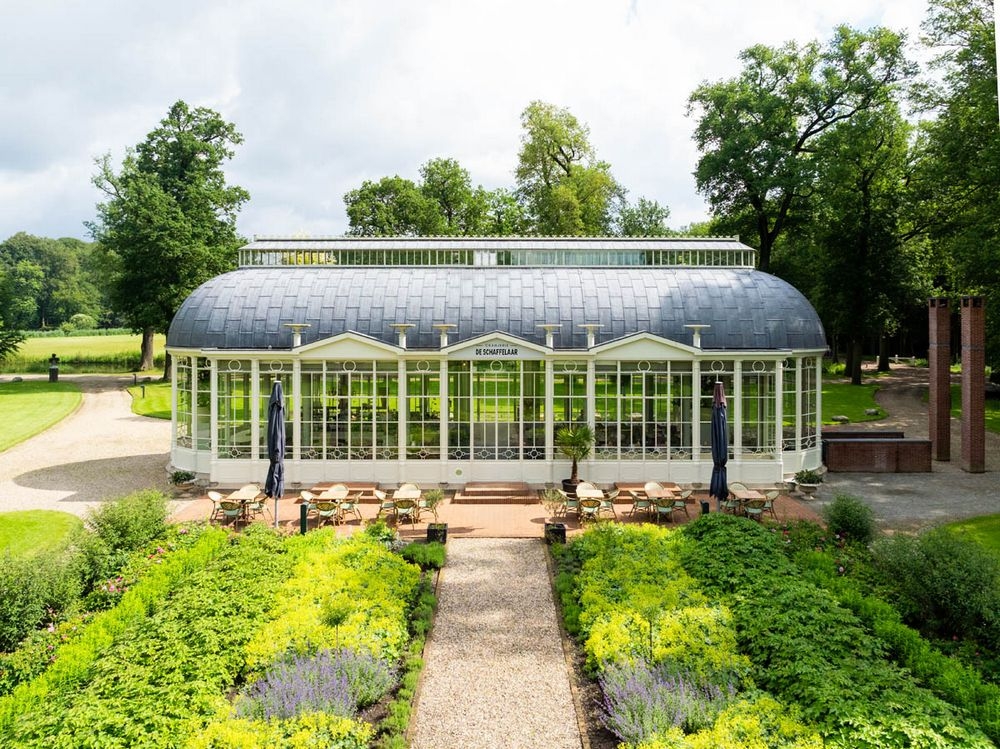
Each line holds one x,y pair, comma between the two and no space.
27,408
984,530
992,409
844,399
119,353
32,532
151,399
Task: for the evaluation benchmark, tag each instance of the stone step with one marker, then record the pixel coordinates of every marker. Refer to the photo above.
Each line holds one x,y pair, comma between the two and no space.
496,493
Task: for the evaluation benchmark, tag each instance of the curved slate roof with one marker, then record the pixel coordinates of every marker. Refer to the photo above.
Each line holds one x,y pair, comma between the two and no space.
246,308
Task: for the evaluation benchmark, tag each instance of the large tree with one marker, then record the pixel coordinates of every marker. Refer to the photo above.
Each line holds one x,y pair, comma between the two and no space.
47,281
169,219
867,276
566,190
957,180
758,132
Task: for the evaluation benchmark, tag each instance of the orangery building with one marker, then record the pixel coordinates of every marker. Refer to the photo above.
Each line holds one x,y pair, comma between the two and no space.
450,360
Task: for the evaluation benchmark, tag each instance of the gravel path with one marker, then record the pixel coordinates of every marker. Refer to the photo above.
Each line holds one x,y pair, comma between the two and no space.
100,452
495,671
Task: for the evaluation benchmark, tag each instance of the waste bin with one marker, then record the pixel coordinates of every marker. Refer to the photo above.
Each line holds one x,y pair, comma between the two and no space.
54,368
437,532
704,507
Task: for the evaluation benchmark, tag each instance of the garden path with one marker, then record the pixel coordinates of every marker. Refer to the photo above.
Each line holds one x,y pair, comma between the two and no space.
908,501
100,452
496,674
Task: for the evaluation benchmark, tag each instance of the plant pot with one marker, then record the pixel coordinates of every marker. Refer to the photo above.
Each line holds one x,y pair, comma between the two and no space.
437,532
555,533
808,490
569,486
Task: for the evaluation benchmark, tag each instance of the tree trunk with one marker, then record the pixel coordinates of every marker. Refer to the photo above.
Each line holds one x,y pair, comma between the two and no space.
849,357
883,352
146,358
856,349
166,366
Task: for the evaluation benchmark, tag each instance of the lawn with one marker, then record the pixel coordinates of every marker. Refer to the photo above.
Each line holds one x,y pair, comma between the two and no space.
30,407
984,530
845,399
114,353
34,532
992,409
151,399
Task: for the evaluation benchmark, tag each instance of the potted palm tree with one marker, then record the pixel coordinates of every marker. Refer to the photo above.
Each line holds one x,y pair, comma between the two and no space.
575,442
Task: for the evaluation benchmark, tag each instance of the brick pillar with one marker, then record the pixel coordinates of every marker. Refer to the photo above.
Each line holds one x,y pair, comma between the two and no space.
973,384
939,363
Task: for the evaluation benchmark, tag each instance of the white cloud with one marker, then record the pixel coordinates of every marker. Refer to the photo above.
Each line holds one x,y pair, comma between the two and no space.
328,94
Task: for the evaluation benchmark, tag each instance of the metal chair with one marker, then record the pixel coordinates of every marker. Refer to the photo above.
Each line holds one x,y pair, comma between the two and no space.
664,508
406,509
608,503
385,503
326,511
349,505
232,510
680,503
216,498
570,504
769,498
590,509
754,509
640,503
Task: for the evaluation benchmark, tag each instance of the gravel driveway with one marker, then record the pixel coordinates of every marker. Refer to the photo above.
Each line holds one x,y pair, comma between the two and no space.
101,452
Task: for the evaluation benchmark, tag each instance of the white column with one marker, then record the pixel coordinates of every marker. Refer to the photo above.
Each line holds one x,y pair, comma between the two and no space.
779,405
696,410
295,406
736,424
173,405
254,409
213,416
550,391
445,405
402,403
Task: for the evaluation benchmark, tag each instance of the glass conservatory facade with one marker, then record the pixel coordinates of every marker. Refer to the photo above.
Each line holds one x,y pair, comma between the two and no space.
455,360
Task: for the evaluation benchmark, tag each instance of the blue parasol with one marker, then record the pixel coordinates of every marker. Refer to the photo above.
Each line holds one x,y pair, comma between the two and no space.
719,486
274,486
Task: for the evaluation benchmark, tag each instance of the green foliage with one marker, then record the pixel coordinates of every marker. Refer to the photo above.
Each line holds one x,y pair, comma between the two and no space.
809,650
380,585
758,722
169,220
851,518
48,282
302,732
75,660
10,341
944,585
429,556
575,442
808,476
130,522
176,665
758,132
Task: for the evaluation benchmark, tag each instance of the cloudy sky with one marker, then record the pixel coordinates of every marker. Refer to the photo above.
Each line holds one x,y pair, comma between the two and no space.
328,93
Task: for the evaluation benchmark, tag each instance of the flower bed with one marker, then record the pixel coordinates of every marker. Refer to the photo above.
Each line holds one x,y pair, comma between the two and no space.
711,636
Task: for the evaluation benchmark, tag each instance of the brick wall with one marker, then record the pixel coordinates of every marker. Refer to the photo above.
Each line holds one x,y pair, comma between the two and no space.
877,455
973,384
939,363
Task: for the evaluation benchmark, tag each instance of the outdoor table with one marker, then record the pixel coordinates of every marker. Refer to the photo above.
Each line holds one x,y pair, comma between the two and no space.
244,495
334,494
586,493
666,493
746,495
406,494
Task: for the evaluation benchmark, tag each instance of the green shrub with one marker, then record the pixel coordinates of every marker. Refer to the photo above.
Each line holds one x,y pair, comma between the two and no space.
851,518
808,650
944,585
429,556
311,730
22,599
131,522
